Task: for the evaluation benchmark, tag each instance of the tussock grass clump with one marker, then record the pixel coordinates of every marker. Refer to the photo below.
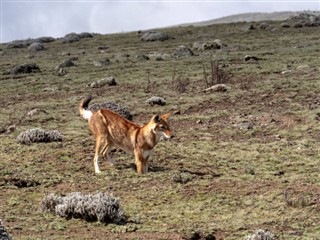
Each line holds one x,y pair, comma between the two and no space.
93,207
261,235
39,135
113,107
3,232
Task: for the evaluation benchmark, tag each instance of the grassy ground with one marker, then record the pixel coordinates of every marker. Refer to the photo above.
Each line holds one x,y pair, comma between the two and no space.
242,160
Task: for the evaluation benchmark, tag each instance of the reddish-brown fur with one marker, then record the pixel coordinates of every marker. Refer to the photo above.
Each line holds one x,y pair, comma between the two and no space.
112,130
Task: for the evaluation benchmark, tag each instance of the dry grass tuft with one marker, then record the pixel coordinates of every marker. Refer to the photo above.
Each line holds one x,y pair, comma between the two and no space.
113,107
261,235
39,135
93,207
3,232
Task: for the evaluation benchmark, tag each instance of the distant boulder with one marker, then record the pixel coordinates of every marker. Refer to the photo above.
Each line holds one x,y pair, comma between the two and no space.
45,39
183,51
156,101
311,23
103,47
70,38
64,64
110,81
3,232
85,35
101,63
203,46
27,42
298,25
35,47
265,26
142,57
154,36
248,27
304,16
20,43
251,58
24,69
284,25
75,37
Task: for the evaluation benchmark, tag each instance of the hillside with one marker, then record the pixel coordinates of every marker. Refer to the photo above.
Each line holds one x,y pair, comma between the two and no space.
245,157
253,17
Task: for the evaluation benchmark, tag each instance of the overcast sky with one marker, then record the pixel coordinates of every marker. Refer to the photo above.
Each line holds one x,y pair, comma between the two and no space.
21,19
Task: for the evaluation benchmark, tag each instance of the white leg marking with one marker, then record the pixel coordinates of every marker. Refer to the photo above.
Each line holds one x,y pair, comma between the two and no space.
96,165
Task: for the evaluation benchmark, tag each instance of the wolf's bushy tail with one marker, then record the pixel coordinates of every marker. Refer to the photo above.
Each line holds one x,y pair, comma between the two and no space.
84,109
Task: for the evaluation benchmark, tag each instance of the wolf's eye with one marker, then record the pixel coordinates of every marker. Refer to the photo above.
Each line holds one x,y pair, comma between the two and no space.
162,127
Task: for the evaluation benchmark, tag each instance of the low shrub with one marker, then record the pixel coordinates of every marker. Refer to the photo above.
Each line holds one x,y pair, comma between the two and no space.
39,135
93,207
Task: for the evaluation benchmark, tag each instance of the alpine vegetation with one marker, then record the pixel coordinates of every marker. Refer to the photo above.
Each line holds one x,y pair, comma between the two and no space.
3,232
113,107
93,207
261,235
39,135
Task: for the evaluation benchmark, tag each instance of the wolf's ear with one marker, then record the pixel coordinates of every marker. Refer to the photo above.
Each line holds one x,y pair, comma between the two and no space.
156,118
166,116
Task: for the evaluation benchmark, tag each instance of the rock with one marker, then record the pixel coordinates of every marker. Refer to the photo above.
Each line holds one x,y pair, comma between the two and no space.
104,47
102,82
245,125
142,57
61,72
3,232
156,101
101,63
24,69
261,235
154,36
183,51
2,130
198,46
248,27
217,88
11,128
45,39
35,111
304,66
64,64
298,25
286,72
20,43
36,46
70,38
311,24
85,35
284,25
250,58
50,89
159,56
215,44
265,25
